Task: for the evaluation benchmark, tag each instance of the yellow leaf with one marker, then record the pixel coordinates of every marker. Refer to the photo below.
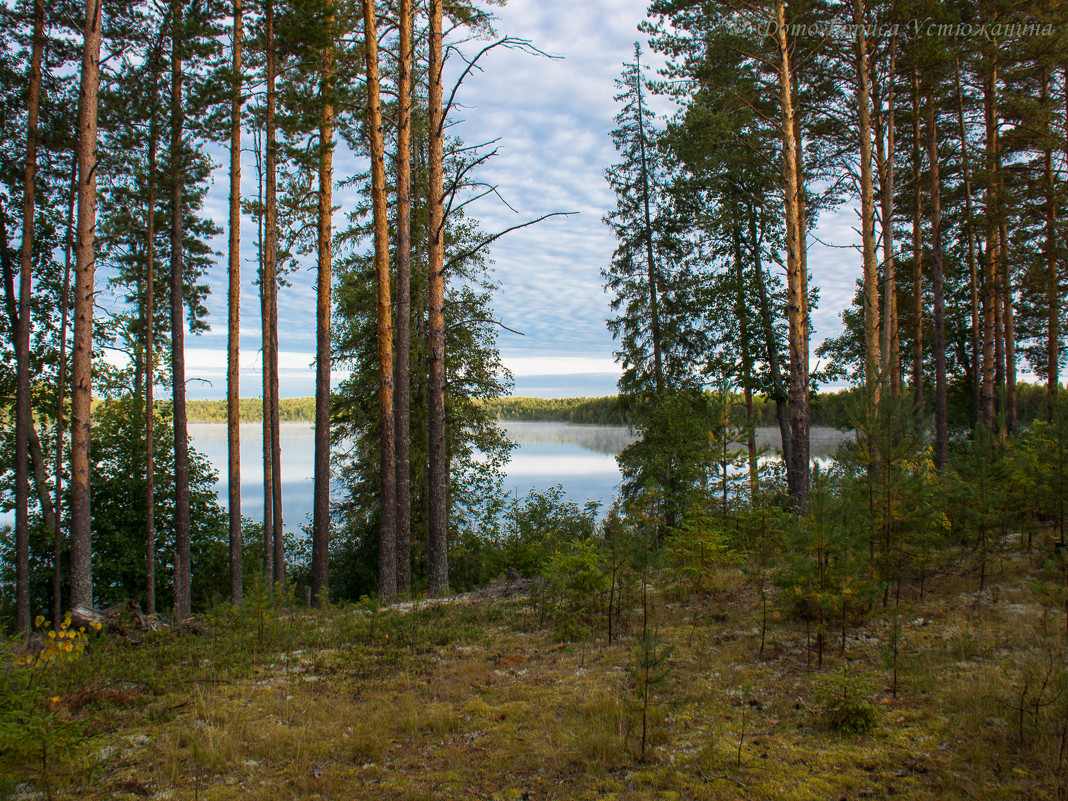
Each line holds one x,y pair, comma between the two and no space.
38,621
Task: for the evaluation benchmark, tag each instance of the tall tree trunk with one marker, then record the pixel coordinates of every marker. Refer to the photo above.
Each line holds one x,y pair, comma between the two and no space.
22,337
1053,289
61,388
990,272
387,522
402,396
650,261
867,214
270,263
233,391
81,578
795,278
973,272
325,254
438,462
233,321
741,309
265,337
771,348
150,357
1007,316
182,562
941,409
891,364
917,259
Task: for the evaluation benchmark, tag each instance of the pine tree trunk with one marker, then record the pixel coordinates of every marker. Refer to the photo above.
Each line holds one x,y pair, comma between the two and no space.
61,388
270,346
917,260
265,423
891,364
650,261
81,578
182,565
990,273
795,278
1007,317
438,461
22,338
150,357
867,214
941,409
325,256
973,272
1053,290
771,349
233,322
747,366
402,370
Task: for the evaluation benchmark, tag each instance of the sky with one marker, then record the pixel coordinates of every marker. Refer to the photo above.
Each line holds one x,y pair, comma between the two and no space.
552,117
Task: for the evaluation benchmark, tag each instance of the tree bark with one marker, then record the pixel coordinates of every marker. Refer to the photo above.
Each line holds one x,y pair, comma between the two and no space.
321,503
973,272
891,363
796,289
233,321
990,273
150,357
402,371
438,461
23,411
941,409
270,346
1053,290
650,260
182,563
265,337
81,579
771,348
61,387
917,259
872,359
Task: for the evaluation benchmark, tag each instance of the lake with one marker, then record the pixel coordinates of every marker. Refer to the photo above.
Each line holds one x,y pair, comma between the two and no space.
581,458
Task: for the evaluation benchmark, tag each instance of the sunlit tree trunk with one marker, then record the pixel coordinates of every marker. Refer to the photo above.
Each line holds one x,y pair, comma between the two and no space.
795,279
182,564
438,462
233,320
22,337
81,579
324,285
402,396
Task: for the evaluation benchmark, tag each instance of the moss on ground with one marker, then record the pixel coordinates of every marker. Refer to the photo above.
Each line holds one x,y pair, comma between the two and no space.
473,700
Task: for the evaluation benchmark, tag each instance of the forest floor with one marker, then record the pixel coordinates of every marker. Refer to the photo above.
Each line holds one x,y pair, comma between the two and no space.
477,700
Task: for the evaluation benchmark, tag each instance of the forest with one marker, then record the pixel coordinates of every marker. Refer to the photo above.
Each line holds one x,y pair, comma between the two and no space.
737,622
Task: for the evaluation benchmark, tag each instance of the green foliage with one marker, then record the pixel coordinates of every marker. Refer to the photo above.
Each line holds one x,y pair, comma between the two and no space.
290,410
843,699
599,411
575,585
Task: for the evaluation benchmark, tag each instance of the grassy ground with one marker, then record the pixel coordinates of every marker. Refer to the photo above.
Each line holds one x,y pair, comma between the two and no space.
475,700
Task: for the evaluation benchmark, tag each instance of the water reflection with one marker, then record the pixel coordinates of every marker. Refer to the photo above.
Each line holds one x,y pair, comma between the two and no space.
579,457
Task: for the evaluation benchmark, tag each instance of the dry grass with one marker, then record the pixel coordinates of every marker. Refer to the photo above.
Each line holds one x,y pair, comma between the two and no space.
472,701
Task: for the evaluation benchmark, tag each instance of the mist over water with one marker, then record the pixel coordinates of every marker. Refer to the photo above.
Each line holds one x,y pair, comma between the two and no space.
581,458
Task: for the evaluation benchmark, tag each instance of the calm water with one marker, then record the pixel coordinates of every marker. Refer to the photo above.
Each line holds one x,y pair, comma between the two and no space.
579,457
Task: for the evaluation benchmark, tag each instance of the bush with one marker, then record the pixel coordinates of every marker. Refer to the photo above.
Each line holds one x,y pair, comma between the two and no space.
843,699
